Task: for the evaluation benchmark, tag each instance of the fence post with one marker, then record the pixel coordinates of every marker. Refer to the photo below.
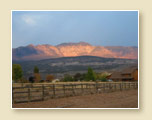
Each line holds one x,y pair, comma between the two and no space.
43,92
96,87
125,86
120,86
104,86
50,90
129,85
89,88
54,90
64,89
13,101
29,96
73,89
115,86
86,86
81,87
134,85
110,88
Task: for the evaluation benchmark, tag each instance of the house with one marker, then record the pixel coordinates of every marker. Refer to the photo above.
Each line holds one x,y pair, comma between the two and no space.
127,74
116,76
130,74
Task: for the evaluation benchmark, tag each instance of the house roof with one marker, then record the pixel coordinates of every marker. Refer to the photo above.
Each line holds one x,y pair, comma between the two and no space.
129,70
116,75
119,75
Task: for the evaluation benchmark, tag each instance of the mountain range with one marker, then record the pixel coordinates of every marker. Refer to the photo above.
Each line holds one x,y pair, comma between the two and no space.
40,52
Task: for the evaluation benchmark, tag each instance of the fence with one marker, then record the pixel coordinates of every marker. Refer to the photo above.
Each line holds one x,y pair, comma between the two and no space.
40,92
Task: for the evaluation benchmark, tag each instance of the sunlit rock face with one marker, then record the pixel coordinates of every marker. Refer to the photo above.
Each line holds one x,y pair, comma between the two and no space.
39,52
77,49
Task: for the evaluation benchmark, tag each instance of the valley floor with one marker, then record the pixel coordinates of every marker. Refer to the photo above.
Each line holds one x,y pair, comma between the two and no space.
119,99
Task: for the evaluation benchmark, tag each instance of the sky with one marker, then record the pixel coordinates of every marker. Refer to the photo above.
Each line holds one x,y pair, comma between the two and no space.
105,28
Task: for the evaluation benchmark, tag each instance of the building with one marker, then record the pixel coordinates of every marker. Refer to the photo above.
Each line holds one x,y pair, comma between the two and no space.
116,76
128,74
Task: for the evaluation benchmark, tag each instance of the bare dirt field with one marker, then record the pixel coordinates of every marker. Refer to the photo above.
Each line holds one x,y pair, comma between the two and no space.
119,99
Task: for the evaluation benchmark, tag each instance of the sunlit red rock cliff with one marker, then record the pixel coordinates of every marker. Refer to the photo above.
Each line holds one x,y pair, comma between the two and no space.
39,52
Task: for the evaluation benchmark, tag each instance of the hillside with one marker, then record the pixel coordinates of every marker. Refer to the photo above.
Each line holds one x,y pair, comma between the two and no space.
72,65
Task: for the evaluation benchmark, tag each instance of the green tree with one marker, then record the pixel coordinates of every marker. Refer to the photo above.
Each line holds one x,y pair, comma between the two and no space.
36,69
90,75
17,73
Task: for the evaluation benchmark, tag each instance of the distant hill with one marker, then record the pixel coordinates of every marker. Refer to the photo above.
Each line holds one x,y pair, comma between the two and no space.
72,65
41,52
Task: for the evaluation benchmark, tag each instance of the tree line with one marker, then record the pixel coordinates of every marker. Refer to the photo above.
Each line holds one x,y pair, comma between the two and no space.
17,75
90,75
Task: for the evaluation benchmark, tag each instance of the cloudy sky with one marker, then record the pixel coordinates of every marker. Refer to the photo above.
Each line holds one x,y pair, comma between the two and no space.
106,28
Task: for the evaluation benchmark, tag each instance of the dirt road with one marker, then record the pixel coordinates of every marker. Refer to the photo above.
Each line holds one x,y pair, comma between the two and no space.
119,99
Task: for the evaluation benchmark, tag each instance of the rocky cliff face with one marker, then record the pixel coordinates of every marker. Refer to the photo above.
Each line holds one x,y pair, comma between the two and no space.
40,52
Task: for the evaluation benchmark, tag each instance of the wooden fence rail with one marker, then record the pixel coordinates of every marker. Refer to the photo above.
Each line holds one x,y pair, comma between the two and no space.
40,92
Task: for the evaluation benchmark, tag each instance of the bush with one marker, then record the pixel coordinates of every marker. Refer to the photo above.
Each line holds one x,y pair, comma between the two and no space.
31,79
24,80
102,77
68,78
77,77
37,77
49,78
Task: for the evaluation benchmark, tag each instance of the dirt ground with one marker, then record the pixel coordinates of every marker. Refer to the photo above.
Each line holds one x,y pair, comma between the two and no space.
119,99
